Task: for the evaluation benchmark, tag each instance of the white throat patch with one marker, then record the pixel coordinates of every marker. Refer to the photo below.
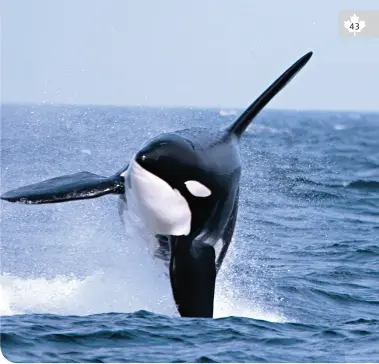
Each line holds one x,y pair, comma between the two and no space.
163,209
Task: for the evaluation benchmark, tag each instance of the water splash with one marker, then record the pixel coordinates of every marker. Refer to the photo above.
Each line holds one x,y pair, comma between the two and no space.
123,279
69,295
101,293
232,300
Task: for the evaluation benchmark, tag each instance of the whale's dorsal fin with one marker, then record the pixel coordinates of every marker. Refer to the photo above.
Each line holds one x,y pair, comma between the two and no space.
240,125
77,186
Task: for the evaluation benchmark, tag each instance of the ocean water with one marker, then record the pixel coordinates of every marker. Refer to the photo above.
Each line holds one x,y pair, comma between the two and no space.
300,282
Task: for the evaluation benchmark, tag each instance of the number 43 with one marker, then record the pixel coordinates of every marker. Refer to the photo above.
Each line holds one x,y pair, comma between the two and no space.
354,26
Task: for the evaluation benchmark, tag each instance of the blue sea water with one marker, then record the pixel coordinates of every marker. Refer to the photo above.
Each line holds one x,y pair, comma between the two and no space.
300,282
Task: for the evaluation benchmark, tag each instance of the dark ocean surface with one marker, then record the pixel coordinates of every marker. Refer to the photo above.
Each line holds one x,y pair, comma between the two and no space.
300,282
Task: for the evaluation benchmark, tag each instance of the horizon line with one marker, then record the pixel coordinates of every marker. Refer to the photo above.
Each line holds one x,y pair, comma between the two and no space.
218,108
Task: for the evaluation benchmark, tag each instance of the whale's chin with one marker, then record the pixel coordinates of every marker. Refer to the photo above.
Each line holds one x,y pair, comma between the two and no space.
162,209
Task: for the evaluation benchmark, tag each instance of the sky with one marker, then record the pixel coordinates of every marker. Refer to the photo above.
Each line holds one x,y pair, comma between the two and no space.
201,53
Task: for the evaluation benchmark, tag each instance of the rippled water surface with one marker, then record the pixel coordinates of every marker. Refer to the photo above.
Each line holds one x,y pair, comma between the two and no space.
300,281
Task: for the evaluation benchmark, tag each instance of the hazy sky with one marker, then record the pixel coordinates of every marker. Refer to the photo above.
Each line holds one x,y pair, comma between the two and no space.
220,53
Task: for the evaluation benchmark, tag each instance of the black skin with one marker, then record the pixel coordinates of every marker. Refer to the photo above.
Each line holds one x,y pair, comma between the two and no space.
211,158
193,277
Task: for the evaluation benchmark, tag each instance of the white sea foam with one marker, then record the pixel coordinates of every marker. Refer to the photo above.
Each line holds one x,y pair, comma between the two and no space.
227,112
69,295
86,151
228,305
339,127
128,283
101,293
231,301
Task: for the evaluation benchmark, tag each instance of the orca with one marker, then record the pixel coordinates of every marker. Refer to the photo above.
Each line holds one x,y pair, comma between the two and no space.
184,186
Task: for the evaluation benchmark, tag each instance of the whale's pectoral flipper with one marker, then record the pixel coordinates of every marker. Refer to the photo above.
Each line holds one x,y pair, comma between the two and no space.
193,277
77,186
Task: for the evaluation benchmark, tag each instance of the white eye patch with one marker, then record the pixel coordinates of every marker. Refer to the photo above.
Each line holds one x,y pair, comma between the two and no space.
197,189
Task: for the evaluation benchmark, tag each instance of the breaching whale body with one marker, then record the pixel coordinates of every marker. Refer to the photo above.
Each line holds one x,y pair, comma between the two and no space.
184,187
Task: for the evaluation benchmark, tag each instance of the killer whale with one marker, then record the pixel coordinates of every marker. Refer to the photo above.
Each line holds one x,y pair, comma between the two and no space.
184,186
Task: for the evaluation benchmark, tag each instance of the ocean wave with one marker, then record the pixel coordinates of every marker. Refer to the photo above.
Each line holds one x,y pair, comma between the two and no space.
363,184
145,336
120,337
357,184
342,297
